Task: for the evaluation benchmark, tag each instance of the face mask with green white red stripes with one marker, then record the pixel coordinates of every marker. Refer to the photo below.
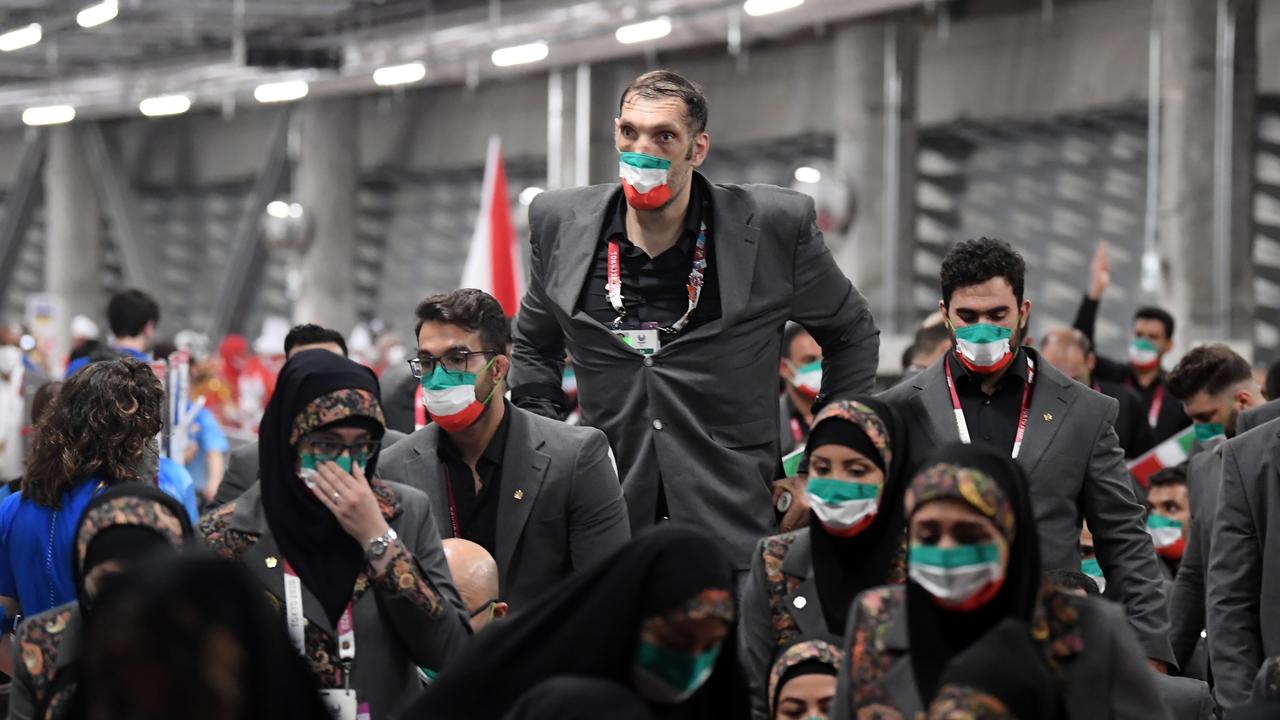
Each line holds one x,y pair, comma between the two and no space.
960,578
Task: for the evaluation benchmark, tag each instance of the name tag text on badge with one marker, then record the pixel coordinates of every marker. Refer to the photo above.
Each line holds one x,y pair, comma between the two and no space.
646,341
340,703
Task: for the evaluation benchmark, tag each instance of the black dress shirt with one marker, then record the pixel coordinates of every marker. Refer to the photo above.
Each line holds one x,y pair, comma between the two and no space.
476,512
654,290
992,419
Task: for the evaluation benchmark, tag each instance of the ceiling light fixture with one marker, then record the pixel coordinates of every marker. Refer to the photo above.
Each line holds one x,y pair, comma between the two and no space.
756,8
20,38
286,91
48,115
97,14
400,74
165,105
644,31
519,54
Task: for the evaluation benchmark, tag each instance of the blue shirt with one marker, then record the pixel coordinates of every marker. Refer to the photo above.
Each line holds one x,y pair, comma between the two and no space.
208,437
79,363
36,541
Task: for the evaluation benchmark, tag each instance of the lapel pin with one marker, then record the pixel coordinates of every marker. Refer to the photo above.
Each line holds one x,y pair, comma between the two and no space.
799,602
1048,417
519,495
271,562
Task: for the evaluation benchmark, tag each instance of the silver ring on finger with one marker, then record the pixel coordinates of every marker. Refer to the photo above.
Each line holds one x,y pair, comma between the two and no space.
336,496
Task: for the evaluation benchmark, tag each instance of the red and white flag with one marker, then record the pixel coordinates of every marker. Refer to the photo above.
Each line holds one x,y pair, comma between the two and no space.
493,262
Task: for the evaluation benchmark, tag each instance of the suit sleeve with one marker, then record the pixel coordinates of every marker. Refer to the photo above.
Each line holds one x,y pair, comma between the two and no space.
1123,545
833,311
1186,607
1134,693
598,524
537,358
22,697
1235,577
238,477
755,635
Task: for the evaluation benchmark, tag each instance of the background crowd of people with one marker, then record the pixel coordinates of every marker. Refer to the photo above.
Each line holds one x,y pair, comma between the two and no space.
740,519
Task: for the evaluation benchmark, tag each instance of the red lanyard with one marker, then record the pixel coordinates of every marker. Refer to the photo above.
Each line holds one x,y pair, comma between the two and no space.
453,506
797,432
963,427
1157,402
613,283
419,409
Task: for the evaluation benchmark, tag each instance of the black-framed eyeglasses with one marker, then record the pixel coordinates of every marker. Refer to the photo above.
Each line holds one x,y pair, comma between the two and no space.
488,605
454,362
328,448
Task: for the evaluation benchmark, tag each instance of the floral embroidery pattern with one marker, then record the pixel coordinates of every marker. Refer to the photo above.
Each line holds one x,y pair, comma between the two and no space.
39,639
869,660
402,576
337,405
865,419
955,702
710,603
780,586
819,650
968,485
128,511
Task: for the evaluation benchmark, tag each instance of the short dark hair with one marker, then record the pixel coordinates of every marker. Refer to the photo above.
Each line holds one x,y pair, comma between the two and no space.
792,331
1072,580
164,349
1209,369
973,262
1152,312
129,311
657,84
472,310
1173,475
310,334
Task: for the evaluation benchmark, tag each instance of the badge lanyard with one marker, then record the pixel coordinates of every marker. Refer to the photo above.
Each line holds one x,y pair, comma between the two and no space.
453,506
963,427
1157,402
613,283
294,620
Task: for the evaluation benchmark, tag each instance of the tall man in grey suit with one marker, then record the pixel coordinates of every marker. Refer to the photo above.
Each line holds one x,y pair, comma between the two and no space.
991,390
671,295
1244,564
541,496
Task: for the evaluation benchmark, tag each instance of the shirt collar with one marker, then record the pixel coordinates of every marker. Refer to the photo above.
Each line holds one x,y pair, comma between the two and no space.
699,208
493,452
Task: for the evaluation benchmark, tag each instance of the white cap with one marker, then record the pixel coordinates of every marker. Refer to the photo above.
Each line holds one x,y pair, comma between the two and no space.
84,328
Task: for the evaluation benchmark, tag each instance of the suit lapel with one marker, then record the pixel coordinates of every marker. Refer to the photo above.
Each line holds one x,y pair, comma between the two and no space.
804,604
900,680
423,466
1051,400
576,242
524,467
267,562
938,418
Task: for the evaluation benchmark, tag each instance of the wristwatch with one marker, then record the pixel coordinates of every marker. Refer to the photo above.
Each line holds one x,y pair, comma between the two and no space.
378,546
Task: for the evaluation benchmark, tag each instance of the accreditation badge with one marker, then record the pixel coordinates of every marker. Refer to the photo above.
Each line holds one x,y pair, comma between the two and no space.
646,340
340,703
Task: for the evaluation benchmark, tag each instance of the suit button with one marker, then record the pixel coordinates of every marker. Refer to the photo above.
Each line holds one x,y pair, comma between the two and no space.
648,361
657,424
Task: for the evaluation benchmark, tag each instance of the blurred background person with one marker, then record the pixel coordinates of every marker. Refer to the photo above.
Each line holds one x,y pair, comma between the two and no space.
801,374
1070,351
475,574
133,316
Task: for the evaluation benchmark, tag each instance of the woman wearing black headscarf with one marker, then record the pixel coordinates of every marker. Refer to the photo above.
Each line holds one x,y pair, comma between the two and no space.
802,683
974,578
656,616
355,565
191,638
802,582
120,526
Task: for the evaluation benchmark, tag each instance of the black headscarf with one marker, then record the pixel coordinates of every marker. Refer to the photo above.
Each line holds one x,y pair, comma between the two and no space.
589,625
936,635
844,567
191,638
125,523
316,388
1004,664
571,697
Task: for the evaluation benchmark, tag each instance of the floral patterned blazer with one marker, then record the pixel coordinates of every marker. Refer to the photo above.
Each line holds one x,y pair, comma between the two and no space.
1087,642
407,617
46,646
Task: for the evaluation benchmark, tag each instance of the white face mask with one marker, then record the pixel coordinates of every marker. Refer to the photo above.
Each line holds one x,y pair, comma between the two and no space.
10,359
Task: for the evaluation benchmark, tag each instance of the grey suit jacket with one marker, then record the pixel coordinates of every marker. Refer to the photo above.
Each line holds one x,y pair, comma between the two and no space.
394,634
1108,678
242,470
758,640
1076,468
1186,605
699,417
561,506
1244,564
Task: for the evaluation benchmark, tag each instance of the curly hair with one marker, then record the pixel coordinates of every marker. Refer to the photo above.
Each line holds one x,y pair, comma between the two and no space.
973,262
100,424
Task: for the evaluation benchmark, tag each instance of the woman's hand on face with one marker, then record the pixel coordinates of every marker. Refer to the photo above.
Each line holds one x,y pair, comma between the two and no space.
351,500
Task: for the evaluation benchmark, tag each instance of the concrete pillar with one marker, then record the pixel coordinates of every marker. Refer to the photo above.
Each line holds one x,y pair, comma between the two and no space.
875,119
1186,193
73,233
325,182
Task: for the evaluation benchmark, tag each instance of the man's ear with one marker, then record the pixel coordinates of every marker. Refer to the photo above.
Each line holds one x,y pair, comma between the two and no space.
501,366
500,610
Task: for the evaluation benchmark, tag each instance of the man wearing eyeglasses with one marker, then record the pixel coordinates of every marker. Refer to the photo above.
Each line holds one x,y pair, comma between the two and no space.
542,497
671,293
